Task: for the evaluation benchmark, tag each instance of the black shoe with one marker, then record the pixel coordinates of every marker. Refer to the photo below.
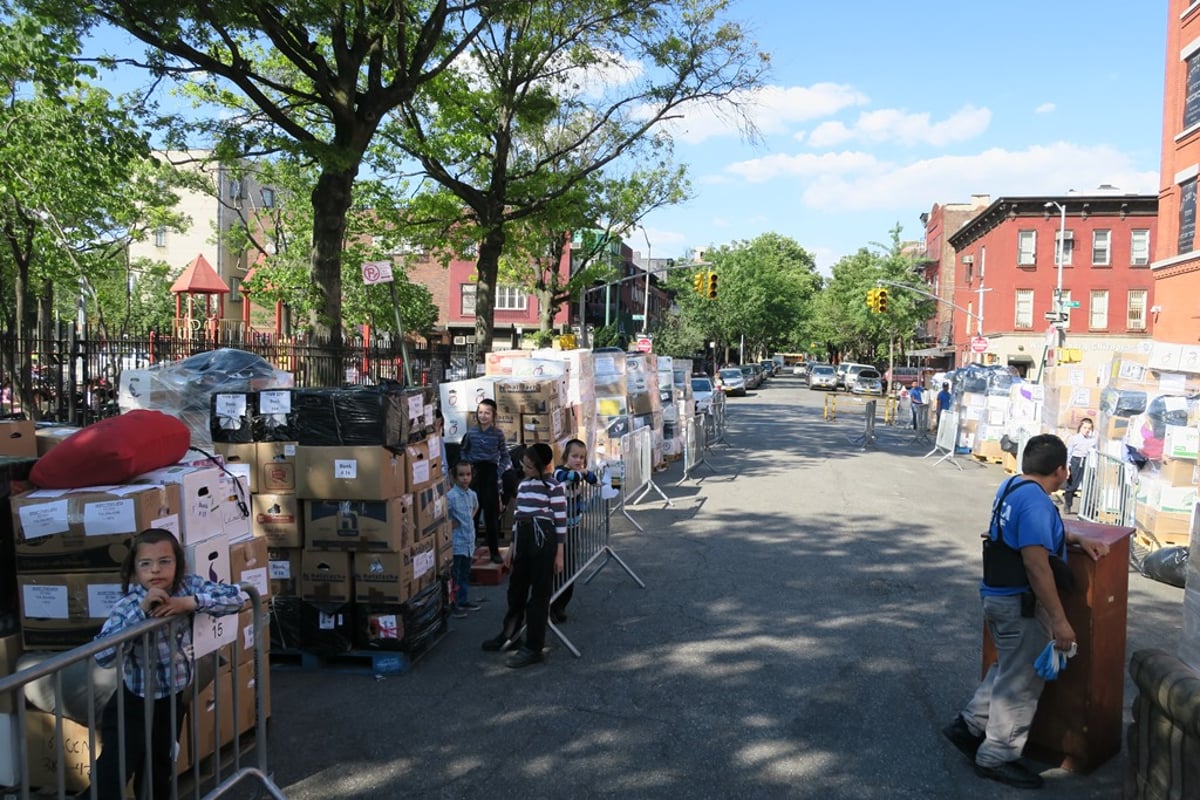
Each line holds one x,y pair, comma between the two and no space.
1012,773
496,559
494,644
961,737
523,658
458,612
467,605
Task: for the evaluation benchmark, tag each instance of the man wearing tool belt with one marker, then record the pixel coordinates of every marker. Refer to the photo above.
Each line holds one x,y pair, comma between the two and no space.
1022,610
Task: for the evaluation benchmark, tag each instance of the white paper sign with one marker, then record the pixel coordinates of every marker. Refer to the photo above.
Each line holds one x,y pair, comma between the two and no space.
168,523
45,602
435,446
416,406
1173,382
101,598
1175,403
281,570
43,519
274,402
210,633
345,468
327,622
420,471
257,578
289,451
111,516
42,494
231,405
248,638
422,563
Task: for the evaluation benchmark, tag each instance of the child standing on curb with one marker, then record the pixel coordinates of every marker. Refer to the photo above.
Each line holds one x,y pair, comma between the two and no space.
464,505
155,585
484,447
536,555
571,474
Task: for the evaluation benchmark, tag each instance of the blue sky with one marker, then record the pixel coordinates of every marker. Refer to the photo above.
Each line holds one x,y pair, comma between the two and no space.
874,111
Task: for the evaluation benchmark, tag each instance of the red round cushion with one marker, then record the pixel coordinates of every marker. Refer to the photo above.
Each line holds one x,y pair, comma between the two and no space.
113,450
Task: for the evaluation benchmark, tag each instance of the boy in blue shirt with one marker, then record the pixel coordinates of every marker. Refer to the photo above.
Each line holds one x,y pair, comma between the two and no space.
1022,611
463,505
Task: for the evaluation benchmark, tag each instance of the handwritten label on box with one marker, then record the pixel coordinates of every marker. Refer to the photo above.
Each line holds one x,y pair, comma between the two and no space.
345,469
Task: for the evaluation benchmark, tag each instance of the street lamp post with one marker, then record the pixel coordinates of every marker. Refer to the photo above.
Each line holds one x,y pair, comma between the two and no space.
1062,242
646,300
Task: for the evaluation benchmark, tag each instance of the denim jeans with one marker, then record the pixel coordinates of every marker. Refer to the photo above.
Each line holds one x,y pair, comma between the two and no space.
1006,700
460,571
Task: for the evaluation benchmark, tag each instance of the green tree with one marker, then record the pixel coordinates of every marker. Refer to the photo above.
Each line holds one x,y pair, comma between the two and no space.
546,99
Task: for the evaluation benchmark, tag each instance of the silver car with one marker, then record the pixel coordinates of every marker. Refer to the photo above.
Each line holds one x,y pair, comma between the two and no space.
822,376
865,381
702,391
732,381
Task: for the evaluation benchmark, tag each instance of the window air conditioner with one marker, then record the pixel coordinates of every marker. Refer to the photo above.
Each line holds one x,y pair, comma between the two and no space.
460,341
968,259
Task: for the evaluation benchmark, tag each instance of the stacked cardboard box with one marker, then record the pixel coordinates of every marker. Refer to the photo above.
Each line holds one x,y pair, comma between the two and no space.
645,400
459,399
612,405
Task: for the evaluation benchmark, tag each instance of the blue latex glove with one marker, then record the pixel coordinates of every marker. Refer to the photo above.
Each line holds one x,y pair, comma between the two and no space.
1051,661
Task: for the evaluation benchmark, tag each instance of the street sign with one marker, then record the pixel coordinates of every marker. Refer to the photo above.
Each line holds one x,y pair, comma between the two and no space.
979,344
644,345
1071,304
637,317
377,272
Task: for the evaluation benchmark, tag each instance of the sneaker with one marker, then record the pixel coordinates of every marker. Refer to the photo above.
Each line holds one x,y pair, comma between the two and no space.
494,644
1012,773
466,605
458,612
523,658
961,737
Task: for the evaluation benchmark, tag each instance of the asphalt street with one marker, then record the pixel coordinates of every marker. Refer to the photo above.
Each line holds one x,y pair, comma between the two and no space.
810,621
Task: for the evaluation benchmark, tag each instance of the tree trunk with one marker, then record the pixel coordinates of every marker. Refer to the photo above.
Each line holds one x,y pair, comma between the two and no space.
487,268
331,203
546,309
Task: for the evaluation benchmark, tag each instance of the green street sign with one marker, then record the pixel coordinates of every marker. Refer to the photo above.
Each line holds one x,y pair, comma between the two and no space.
1072,304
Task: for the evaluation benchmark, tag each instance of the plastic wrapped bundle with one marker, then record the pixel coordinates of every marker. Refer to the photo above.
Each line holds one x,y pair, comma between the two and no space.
1167,410
327,629
379,627
385,415
423,617
230,416
1001,381
971,379
1122,402
285,622
275,419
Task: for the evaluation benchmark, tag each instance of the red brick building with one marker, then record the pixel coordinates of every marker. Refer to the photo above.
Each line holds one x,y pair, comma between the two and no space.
1176,264
1005,271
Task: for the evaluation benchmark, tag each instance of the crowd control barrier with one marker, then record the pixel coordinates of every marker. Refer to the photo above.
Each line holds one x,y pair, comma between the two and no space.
637,459
695,445
853,402
1108,490
57,753
588,547
714,421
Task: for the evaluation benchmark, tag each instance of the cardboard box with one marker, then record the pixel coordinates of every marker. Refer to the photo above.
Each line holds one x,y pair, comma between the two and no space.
500,362
41,739
423,465
349,473
510,426
49,438
1168,527
429,508
77,530
1181,442
284,571
61,611
382,628
276,467
209,558
247,696
546,427
378,525
233,490
383,577
199,498
245,637
1179,472
17,439
220,691
529,396
241,454
249,562
10,651
276,518
11,765
459,399
326,577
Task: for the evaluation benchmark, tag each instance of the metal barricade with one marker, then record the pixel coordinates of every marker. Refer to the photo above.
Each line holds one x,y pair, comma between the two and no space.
62,757
695,445
1108,491
637,451
587,547
714,421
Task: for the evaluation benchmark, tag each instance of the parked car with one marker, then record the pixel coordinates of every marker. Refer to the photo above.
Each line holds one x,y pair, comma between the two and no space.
732,380
822,376
800,370
750,376
865,381
702,390
852,370
768,367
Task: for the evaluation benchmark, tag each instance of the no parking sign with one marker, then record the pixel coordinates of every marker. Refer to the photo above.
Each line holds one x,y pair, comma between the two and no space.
377,272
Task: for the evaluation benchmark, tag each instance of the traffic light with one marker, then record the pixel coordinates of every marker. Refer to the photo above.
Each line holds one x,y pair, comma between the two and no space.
698,283
712,286
881,300
873,300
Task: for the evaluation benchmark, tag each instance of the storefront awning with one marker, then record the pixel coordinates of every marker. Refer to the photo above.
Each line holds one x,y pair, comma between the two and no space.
928,352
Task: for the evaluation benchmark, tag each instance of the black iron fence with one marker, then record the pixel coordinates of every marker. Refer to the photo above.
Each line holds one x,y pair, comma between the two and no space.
73,377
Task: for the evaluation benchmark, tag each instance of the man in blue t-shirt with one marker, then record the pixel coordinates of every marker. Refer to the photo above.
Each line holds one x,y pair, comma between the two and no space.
1021,614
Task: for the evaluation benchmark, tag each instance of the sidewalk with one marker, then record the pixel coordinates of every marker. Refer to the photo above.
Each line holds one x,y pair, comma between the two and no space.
810,622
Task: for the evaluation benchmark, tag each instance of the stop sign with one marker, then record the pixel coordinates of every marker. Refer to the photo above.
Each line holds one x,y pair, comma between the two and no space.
644,345
979,344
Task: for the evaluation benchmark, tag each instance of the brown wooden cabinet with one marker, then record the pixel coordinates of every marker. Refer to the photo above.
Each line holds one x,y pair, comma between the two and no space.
1078,721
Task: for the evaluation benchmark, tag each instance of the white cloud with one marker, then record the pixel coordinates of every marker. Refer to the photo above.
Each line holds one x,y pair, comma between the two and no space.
772,109
1044,108
894,125
805,165
1040,169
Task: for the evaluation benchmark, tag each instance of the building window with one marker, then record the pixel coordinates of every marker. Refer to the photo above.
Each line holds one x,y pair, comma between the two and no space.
1026,248
1135,317
160,236
1098,310
268,198
1024,304
1101,248
468,299
511,298
1139,248
235,189
1187,216
1191,103
235,290
1068,246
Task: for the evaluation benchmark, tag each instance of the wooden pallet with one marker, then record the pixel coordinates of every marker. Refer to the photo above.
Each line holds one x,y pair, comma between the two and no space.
987,459
355,662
